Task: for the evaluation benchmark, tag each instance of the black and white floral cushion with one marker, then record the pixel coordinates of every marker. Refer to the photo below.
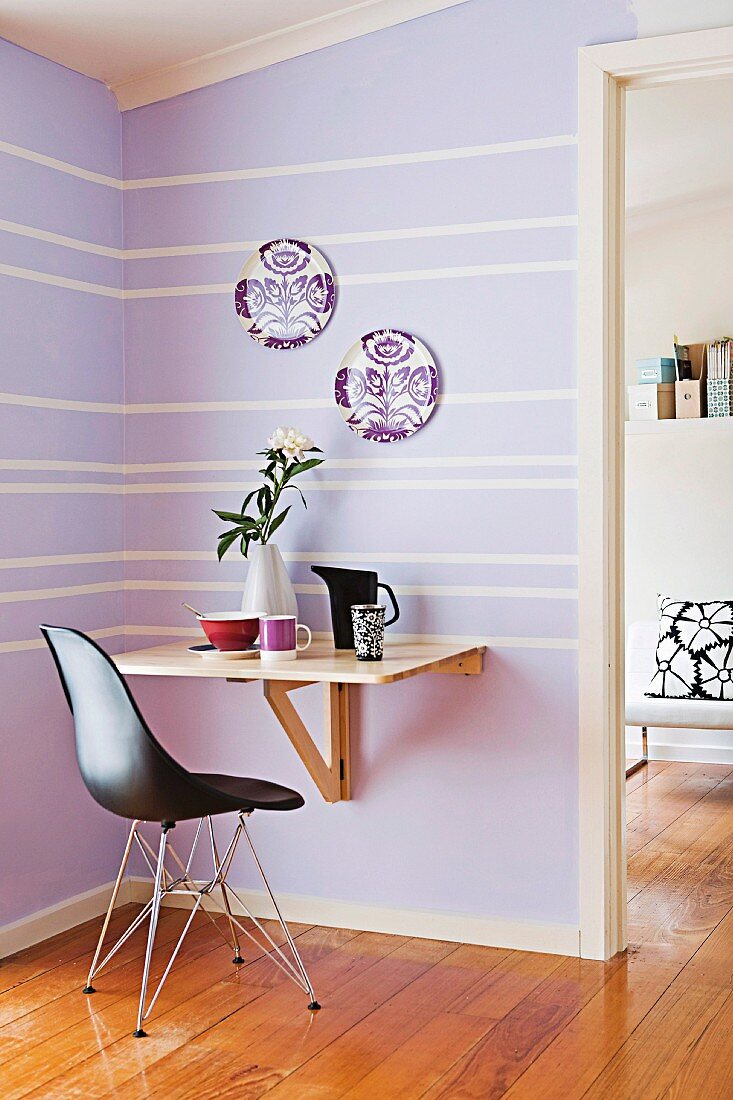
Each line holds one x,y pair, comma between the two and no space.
694,651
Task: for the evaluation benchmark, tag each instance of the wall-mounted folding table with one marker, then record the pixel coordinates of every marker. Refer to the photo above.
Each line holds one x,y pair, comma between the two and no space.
320,664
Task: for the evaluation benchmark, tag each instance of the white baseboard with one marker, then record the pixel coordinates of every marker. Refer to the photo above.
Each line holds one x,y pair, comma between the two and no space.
557,939
58,918
693,746
688,753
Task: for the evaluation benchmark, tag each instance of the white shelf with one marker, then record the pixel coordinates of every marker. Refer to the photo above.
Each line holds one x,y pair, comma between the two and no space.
671,427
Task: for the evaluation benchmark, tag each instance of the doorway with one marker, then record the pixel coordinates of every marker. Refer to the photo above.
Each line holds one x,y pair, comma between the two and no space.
606,75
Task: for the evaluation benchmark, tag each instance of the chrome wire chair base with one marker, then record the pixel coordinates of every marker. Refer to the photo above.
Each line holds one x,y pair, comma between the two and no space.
165,883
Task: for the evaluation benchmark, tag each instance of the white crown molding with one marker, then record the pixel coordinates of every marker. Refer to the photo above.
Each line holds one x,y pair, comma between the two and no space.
268,49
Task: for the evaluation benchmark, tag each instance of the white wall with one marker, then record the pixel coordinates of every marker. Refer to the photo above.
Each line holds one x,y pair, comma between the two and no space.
679,268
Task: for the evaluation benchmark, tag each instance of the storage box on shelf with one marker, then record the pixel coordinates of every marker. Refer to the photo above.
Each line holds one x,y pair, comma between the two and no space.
652,402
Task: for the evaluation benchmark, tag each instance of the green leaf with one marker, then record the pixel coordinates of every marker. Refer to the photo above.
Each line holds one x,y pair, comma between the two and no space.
301,467
225,541
298,490
264,499
230,517
247,499
277,521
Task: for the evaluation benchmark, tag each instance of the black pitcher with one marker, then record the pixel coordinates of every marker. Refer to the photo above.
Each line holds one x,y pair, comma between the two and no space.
347,587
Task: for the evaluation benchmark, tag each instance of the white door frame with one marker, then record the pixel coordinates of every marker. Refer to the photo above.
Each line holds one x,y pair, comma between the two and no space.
605,73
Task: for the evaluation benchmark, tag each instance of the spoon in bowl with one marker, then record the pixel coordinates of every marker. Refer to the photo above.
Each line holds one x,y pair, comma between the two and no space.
192,610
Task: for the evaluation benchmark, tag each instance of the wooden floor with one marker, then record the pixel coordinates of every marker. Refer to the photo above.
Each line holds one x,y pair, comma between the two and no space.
415,1018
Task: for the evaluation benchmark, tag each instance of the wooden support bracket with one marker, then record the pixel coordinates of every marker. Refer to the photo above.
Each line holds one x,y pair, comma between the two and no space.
470,665
331,774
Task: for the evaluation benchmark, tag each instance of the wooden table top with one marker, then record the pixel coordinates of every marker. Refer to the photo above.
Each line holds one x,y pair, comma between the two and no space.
320,663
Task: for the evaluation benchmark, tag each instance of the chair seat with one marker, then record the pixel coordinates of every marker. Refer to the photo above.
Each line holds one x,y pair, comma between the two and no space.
257,794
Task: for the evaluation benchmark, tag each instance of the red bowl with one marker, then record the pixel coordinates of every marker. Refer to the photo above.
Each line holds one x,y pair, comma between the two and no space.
229,630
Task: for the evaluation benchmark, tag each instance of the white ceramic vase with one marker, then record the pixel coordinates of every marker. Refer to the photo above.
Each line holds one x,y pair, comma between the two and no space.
268,587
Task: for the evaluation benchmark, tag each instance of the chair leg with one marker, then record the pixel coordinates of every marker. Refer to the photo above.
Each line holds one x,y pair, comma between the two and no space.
644,758
237,960
89,988
313,1005
154,912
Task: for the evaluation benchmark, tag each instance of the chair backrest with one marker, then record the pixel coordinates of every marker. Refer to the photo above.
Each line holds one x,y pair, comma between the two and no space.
123,766
641,647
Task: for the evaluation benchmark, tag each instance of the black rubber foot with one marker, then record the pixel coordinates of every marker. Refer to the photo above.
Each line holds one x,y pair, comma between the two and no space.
314,1006
89,989
139,1034
238,960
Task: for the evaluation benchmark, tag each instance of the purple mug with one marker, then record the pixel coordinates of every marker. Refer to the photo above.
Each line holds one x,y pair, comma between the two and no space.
279,637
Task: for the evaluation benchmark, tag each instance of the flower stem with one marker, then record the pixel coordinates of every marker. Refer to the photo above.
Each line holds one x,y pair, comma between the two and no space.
277,489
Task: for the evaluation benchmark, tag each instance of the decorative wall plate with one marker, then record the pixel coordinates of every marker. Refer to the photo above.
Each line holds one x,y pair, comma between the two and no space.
386,386
285,293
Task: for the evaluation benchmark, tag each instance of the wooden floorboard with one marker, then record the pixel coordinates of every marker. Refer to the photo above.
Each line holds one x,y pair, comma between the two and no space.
405,1018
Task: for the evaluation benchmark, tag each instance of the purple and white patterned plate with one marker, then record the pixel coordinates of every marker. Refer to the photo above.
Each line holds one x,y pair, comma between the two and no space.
387,386
285,293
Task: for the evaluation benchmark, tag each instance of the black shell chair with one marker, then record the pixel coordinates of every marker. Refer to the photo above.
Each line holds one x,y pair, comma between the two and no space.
128,772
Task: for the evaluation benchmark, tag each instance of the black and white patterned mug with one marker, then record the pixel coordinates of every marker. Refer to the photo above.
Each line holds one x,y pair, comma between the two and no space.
368,620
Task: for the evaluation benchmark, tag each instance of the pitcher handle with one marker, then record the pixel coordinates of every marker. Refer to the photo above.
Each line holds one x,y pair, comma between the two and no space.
395,608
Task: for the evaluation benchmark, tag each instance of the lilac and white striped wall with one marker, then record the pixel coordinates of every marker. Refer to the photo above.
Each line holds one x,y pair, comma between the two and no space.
60,466
434,164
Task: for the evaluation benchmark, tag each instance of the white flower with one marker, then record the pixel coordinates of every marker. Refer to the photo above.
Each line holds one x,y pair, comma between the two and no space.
292,442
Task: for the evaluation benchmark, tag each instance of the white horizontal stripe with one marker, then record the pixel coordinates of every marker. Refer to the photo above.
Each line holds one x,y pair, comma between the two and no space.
312,556
501,591
527,267
33,402
453,462
357,486
455,639
465,461
57,238
49,464
60,280
20,488
428,156
185,632
349,164
40,643
418,275
39,560
559,221
490,641
506,396
384,556
30,594
59,165
269,405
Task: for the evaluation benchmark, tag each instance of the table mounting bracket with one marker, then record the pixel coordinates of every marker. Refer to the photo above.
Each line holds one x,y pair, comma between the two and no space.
330,773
